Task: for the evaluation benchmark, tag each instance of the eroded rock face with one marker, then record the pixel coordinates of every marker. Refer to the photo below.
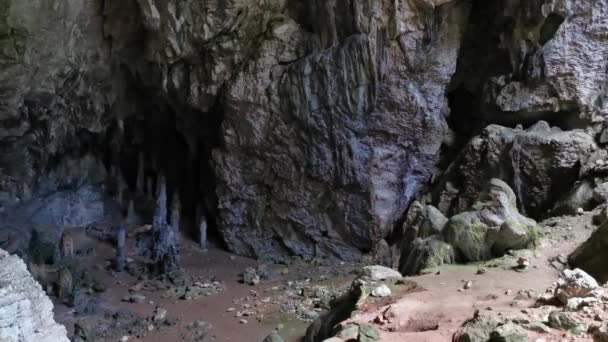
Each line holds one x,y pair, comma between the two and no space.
332,119
550,77
26,313
58,88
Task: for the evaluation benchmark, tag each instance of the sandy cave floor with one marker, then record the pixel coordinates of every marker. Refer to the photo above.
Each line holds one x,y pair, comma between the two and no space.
432,314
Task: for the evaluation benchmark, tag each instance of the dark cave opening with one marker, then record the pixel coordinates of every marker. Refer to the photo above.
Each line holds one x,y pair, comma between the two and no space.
161,141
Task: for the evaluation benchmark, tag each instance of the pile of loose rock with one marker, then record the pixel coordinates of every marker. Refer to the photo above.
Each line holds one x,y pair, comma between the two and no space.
373,282
187,289
576,306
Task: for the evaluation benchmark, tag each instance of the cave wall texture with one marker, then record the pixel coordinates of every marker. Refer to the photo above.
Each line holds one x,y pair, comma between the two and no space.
300,127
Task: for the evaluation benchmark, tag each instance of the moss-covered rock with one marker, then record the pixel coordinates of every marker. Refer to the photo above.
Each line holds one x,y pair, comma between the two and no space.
424,254
493,227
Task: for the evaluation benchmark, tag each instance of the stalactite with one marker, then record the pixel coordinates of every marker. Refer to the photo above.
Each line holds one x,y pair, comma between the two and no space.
432,23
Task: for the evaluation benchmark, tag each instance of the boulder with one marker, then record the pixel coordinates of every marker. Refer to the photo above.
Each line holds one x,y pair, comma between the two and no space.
601,216
381,291
582,196
476,330
600,193
599,332
425,253
492,227
574,284
273,337
509,332
367,333
423,220
591,256
566,321
26,313
379,273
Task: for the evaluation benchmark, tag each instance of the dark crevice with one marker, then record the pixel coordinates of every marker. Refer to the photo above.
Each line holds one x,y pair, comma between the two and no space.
176,143
550,27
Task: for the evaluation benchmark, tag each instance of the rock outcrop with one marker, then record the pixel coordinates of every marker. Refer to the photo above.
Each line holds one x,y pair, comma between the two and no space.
26,313
541,164
591,255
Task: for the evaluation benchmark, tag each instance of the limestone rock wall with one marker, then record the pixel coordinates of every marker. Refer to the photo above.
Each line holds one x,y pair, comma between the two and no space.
26,313
332,111
307,127
58,92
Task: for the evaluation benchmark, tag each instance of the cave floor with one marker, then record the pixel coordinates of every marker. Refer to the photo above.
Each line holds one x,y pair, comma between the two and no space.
433,314
261,304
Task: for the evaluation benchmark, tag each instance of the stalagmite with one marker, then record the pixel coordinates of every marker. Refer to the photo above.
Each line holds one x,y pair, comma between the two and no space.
149,187
122,189
121,236
160,212
165,254
66,286
141,178
202,232
67,247
132,217
175,211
